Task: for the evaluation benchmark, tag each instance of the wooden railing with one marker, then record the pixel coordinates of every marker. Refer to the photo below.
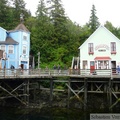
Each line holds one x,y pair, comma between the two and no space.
48,72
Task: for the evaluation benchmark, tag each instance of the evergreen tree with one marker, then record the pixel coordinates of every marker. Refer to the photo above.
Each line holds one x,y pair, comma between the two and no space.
19,7
85,33
114,30
41,10
42,34
59,21
9,24
3,12
10,11
109,26
61,32
93,22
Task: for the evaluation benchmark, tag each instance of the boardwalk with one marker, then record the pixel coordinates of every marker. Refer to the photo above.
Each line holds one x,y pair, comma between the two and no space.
33,73
77,81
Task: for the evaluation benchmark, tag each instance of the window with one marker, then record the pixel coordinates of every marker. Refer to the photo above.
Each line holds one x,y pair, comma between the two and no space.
24,49
90,48
113,48
24,37
10,49
103,64
2,47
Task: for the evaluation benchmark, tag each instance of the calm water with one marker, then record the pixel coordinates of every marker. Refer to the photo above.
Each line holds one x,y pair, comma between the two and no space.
33,114
44,114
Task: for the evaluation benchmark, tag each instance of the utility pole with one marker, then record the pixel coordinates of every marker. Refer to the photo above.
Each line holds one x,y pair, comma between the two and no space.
33,62
38,60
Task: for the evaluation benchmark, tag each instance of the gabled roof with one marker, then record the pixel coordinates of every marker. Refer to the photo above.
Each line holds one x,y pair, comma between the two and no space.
2,28
9,41
96,32
20,27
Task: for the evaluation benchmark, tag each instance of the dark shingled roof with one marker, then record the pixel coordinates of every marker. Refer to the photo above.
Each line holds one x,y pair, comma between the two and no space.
9,41
21,26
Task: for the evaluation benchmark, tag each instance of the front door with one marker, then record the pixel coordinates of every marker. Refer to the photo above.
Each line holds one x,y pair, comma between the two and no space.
85,64
22,66
113,66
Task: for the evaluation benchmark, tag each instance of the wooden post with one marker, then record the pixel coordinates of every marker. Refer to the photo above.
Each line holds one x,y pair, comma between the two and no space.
85,93
34,94
24,91
27,92
39,91
33,63
69,92
116,87
110,92
38,60
75,93
105,88
51,91
91,86
5,68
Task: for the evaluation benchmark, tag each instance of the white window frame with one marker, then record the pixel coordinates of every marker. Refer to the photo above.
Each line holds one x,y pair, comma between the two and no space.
90,47
10,49
24,50
3,49
113,46
25,36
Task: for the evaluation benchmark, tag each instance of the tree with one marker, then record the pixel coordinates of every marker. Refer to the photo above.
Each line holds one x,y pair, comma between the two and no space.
59,21
85,33
93,22
19,7
10,11
41,10
42,33
114,30
3,12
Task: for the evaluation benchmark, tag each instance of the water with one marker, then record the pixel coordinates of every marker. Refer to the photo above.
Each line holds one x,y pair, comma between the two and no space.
44,114
8,113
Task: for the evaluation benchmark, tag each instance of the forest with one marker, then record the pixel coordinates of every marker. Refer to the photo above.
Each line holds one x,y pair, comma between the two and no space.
53,34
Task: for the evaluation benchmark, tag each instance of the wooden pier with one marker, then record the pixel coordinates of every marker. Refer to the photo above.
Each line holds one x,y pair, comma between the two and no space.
18,85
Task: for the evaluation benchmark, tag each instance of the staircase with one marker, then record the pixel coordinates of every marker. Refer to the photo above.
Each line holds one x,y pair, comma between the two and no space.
75,63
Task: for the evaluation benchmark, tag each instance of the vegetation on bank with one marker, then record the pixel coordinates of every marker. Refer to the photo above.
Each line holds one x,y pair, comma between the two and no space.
53,34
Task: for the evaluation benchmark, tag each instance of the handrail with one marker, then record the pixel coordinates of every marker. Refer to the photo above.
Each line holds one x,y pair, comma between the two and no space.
48,72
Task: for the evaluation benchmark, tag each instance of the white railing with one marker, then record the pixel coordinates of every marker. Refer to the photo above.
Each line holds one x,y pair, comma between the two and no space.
44,72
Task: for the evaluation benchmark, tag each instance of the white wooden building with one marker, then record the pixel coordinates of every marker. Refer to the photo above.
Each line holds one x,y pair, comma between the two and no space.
100,51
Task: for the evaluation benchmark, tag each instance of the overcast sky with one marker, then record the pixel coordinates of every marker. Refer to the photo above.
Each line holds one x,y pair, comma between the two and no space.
79,10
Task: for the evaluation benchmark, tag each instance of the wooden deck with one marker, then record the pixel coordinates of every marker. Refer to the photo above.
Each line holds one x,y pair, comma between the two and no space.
84,82
42,73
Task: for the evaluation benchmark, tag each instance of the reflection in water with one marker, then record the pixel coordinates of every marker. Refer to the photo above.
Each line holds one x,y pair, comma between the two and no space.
45,114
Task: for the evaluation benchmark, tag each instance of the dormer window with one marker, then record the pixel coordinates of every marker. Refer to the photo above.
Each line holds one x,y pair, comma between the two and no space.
90,48
113,48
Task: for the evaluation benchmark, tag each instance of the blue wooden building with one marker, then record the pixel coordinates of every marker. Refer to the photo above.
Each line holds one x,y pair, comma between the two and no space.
15,47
